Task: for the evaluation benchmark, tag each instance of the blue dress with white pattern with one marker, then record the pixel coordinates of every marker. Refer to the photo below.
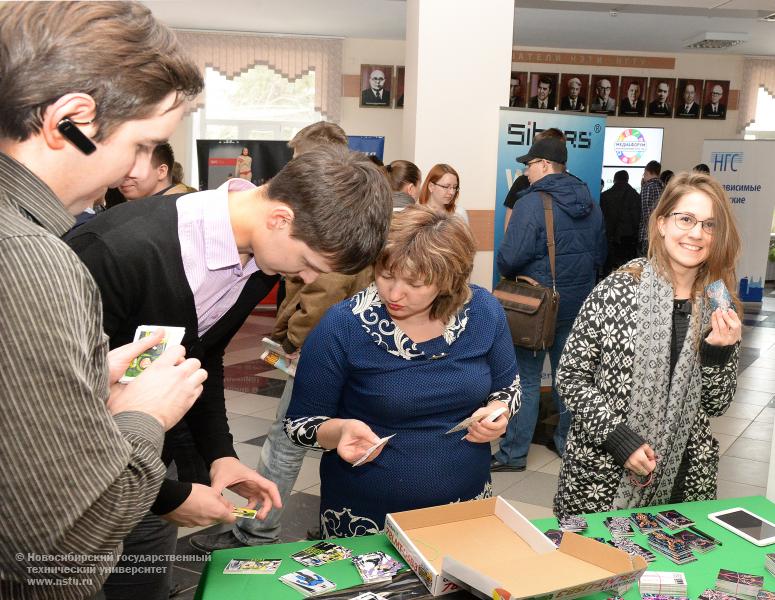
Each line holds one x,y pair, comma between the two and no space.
358,364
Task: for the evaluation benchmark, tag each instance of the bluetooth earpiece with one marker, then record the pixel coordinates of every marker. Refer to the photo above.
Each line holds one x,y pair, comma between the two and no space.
68,129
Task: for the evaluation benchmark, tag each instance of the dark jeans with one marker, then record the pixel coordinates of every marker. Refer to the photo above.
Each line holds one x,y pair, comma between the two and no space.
515,445
151,579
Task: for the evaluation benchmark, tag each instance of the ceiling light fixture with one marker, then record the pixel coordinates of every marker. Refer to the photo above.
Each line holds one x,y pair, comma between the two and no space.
716,40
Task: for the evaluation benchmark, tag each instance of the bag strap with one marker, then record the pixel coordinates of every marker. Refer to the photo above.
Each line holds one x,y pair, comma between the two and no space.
549,216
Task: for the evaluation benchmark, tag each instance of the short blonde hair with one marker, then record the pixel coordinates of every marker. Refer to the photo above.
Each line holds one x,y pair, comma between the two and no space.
435,248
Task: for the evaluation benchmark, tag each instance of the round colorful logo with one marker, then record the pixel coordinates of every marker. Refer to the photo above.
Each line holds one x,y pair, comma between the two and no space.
630,146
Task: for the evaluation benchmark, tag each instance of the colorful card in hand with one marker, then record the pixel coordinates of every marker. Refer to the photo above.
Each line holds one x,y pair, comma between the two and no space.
308,582
172,337
244,513
320,554
719,296
252,566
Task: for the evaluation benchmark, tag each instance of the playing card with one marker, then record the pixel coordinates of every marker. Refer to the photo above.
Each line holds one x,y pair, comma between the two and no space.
555,535
320,554
251,566
718,295
371,450
466,423
308,582
573,523
244,513
172,337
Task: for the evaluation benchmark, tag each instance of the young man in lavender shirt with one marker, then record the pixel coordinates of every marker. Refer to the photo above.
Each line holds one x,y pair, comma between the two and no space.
203,261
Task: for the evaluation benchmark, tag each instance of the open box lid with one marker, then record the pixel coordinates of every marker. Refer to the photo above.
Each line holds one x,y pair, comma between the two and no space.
487,545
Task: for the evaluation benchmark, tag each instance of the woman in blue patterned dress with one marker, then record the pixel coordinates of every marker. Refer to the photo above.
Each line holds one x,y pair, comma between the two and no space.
411,356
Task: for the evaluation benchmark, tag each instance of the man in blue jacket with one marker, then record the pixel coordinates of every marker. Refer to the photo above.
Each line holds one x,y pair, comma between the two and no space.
580,251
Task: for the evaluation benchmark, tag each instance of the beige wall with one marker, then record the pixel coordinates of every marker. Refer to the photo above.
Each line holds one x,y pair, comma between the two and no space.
682,145
387,122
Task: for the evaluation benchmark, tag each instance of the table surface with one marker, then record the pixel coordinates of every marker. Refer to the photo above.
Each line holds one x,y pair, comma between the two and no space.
736,554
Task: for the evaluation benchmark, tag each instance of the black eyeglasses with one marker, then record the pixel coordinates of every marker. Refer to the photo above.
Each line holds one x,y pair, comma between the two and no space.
686,221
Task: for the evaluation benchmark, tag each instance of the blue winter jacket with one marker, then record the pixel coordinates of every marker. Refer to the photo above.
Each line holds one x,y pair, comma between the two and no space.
579,236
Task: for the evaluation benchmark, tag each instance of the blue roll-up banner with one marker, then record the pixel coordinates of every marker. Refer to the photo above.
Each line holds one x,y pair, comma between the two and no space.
518,127
373,145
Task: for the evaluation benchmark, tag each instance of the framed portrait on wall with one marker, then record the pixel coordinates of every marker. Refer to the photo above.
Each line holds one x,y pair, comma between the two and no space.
688,95
714,99
603,93
661,93
632,96
517,88
543,90
376,85
400,76
574,90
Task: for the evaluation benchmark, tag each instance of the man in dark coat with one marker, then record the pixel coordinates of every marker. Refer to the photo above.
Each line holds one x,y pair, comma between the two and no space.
580,251
621,211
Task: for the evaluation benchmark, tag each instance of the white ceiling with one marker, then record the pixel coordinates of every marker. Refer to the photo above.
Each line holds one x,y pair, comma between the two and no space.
655,26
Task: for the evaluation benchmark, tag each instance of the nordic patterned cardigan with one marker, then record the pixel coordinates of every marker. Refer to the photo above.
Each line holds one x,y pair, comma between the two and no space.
595,381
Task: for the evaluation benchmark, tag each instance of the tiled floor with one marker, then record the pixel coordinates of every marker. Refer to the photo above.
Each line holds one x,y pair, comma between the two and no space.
253,389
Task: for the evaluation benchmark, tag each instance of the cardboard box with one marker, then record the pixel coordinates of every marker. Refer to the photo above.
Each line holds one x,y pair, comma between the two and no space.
490,549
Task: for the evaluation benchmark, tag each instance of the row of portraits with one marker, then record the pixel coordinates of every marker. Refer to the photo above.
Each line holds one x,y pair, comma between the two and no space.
621,95
381,87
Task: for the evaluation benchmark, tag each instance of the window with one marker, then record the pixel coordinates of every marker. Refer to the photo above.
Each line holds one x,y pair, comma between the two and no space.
260,104
763,126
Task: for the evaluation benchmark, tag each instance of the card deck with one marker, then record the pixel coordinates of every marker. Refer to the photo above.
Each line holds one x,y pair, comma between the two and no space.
769,563
252,566
663,583
371,450
672,519
374,567
308,582
555,535
711,594
320,554
742,585
619,526
172,337
695,542
645,522
573,523
670,546
631,547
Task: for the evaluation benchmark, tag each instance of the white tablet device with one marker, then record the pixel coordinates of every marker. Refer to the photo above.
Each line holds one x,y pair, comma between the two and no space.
746,524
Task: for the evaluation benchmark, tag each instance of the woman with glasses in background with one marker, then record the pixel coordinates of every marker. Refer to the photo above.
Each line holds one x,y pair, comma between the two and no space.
650,360
441,189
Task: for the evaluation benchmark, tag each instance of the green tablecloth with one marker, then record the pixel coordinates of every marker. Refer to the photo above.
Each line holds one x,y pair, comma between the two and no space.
736,554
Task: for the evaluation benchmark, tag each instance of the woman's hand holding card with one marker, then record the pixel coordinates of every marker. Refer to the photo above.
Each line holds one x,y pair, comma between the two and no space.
726,328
